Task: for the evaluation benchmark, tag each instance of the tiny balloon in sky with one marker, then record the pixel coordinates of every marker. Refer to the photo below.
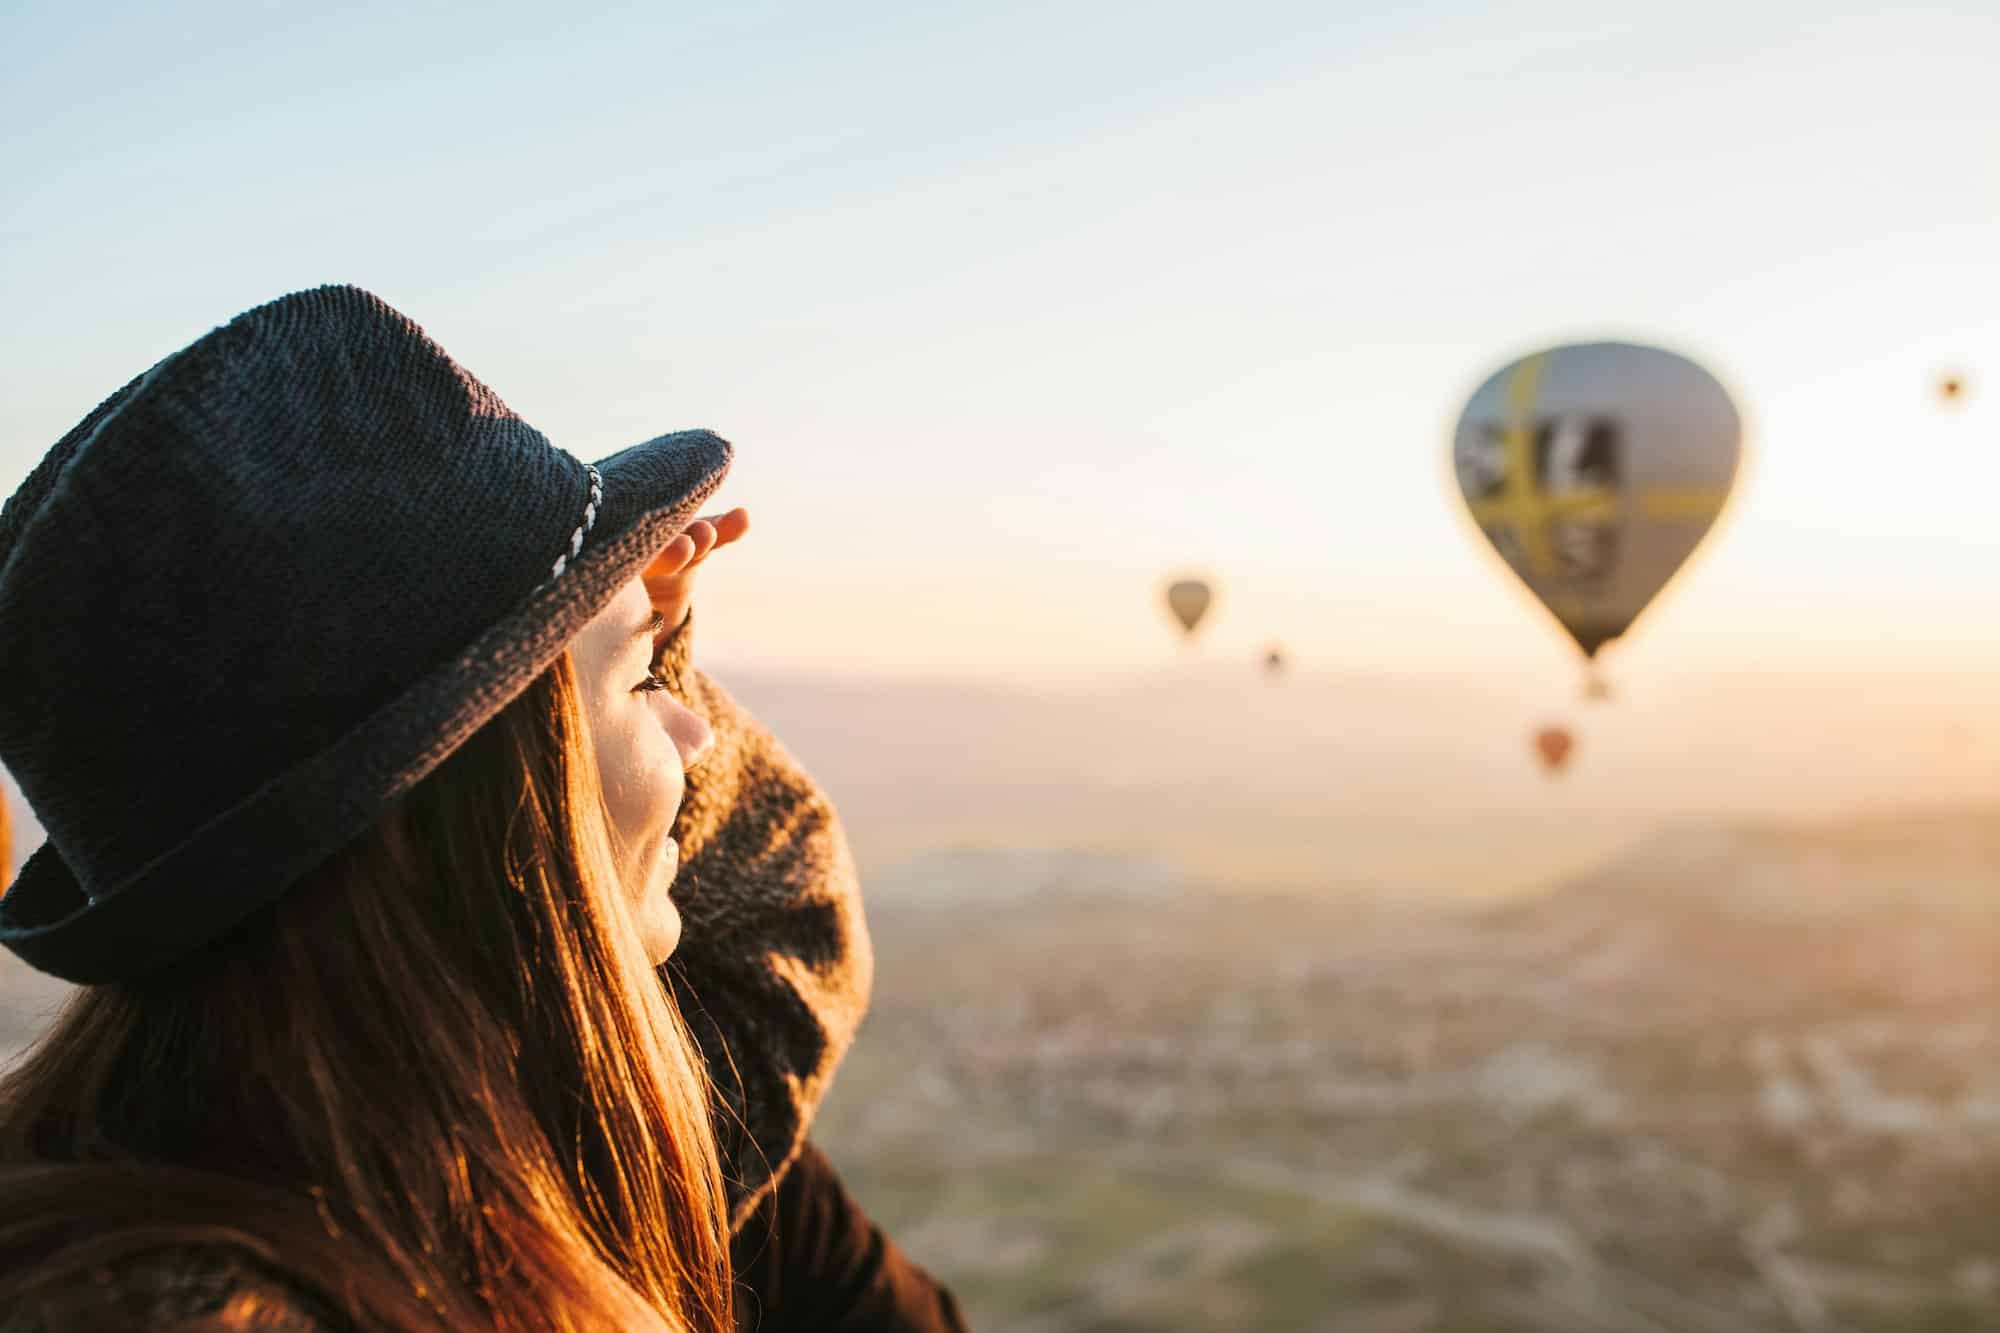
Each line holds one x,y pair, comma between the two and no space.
1553,745
1188,600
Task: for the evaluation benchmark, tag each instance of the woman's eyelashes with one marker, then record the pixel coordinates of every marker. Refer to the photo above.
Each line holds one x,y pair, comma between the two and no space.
658,675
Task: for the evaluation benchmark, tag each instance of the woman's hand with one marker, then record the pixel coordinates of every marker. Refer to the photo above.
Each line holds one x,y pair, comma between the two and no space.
670,576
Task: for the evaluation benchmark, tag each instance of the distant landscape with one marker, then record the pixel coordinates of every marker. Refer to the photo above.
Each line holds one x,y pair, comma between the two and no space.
1210,1003
1740,1078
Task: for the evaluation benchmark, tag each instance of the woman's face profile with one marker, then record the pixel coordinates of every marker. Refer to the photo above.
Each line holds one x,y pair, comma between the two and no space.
645,741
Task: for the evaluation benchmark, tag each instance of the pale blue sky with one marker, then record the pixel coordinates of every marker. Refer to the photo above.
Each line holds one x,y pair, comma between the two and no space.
1012,309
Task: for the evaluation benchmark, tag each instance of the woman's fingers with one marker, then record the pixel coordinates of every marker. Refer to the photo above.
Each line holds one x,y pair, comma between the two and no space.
702,533
668,575
673,558
730,526
722,529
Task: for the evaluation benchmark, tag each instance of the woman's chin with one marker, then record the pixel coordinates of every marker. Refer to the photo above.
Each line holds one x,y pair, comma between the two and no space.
659,917
659,928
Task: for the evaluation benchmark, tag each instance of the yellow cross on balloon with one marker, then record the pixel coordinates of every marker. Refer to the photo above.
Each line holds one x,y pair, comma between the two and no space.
1527,509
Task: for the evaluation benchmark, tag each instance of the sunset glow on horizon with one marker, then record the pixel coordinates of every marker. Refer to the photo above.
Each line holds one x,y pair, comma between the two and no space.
1011,315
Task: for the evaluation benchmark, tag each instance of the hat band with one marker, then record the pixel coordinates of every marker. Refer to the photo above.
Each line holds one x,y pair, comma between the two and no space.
589,522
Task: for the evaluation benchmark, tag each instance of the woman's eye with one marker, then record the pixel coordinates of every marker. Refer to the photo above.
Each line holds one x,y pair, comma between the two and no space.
654,682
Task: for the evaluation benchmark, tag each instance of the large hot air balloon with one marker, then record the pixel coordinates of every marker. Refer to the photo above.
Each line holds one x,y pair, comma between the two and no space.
1595,469
1274,660
1188,600
1553,744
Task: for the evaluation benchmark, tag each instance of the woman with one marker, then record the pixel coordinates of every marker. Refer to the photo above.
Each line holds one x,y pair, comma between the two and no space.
357,716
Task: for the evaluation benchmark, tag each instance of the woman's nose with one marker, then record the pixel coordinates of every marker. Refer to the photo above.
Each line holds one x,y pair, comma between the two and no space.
693,737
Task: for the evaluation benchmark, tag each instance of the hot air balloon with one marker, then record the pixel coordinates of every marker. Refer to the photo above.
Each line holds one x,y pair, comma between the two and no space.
1951,388
1188,600
1595,469
1553,744
1274,660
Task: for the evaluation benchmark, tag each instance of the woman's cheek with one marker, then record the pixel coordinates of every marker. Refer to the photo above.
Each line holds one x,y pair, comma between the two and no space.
622,772
654,775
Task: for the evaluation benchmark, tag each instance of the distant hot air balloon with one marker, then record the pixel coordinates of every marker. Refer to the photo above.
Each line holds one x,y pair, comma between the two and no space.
1188,600
1595,469
1951,388
1274,660
1553,744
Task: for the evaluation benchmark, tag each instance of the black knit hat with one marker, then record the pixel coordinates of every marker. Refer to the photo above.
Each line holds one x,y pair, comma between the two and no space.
262,590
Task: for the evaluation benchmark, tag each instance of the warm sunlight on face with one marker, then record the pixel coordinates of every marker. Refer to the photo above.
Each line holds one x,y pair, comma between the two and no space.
645,741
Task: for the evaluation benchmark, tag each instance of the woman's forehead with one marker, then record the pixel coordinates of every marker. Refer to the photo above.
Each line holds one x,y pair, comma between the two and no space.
629,608
624,618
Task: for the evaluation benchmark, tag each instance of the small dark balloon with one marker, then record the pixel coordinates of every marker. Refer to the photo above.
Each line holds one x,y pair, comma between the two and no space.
1274,661
1951,388
1553,745
1188,600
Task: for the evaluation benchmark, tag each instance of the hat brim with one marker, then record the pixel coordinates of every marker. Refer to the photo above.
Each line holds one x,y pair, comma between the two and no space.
251,853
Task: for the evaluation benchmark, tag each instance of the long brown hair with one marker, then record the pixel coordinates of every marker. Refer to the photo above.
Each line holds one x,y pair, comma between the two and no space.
445,1051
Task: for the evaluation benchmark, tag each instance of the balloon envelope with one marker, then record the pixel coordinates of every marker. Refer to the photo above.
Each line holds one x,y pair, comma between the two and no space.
1595,469
1188,600
1274,661
1554,744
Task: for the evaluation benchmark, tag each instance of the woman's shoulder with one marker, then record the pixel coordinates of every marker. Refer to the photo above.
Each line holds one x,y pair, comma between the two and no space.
190,1288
